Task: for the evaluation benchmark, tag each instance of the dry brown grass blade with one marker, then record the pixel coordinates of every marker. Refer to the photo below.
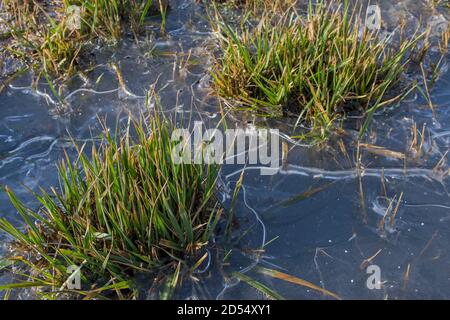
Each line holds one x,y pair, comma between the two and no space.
427,91
292,279
343,150
440,166
406,276
285,153
198,263
382,223
417,141
368,261
394,213
360,168
119,75
380,151
305,195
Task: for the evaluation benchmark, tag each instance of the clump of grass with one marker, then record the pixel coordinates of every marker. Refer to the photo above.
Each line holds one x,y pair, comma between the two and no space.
38,36
128,209
259,5
106,18
437,3
46,38
314,67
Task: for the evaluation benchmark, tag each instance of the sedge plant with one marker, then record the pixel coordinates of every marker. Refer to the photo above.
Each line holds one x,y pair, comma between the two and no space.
46,37
126,209
314,67
257,6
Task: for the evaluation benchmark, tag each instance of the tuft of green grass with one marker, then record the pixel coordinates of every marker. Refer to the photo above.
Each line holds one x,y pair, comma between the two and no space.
259,5
315,67
106,19
126,209
39,36
44,35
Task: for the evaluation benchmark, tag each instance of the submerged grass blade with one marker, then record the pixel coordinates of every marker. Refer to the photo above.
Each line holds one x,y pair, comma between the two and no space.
258,286
288,278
